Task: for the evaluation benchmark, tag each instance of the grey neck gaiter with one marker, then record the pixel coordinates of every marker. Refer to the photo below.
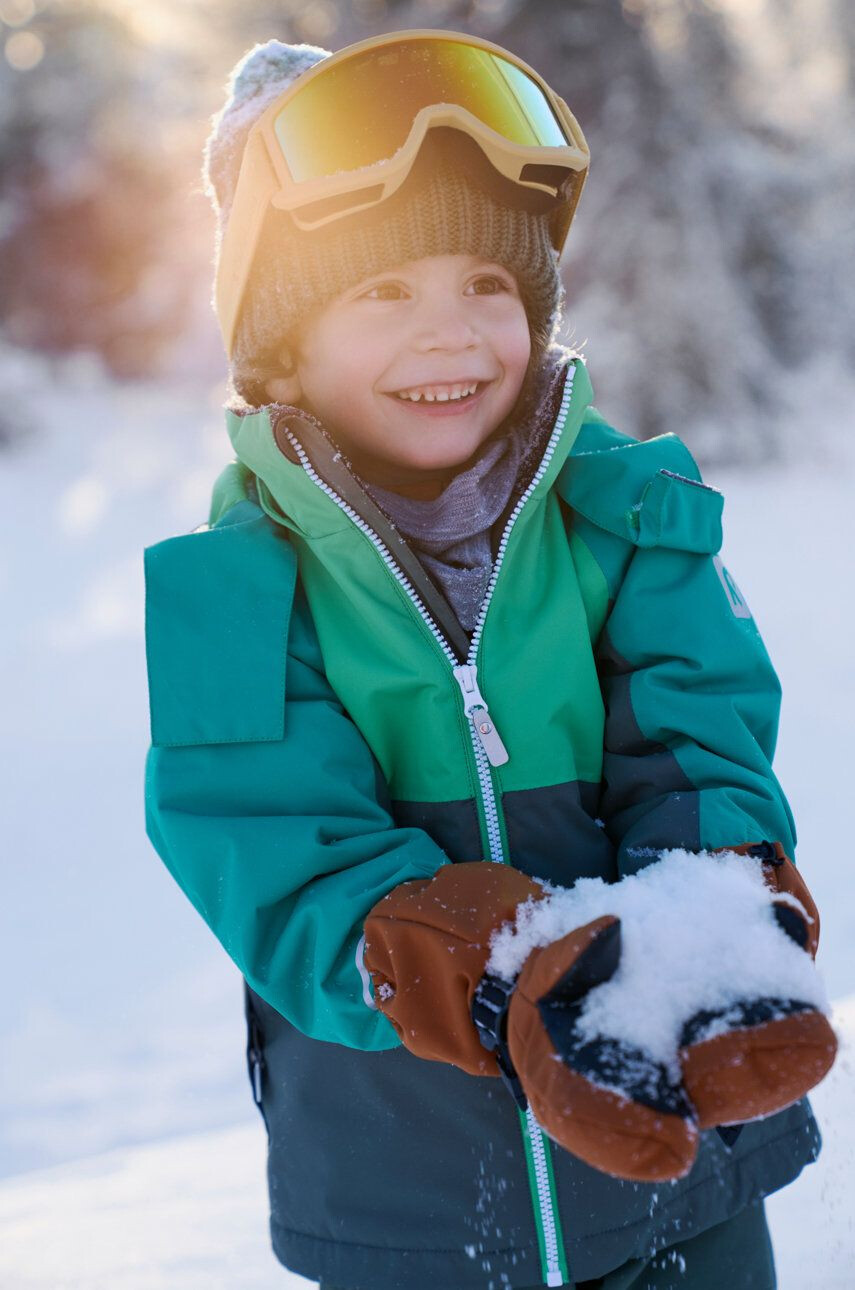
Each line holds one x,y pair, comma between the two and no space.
451,533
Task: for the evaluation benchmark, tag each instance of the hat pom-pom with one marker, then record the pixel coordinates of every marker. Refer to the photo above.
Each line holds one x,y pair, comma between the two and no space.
254,82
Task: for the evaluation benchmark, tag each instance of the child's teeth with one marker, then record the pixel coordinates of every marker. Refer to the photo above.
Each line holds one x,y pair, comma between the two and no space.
455,392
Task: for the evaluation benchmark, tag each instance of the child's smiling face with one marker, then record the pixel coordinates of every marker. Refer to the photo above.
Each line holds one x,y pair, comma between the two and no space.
429,324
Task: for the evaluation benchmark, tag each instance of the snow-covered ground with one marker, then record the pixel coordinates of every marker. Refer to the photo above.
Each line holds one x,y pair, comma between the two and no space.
120,1025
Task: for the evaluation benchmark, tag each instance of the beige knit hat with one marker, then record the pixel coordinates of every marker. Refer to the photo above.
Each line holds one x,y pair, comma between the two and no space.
452,203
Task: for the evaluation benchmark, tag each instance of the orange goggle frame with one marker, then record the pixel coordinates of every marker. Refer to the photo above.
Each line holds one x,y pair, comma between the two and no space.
344,136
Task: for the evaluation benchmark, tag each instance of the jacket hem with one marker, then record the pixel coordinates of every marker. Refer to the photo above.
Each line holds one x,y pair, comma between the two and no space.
372,1267
705,1204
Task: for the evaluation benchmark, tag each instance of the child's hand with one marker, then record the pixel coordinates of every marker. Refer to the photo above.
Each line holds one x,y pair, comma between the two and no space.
782,877
610,1103
759,1055
427,945
630,1015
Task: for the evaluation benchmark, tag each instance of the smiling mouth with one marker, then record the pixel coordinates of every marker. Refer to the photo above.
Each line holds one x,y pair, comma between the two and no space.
441,400
452,392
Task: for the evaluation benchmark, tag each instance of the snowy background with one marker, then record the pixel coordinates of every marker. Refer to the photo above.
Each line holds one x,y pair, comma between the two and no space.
131,1156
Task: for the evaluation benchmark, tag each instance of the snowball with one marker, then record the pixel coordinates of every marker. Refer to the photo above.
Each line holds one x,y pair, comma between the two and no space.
697,932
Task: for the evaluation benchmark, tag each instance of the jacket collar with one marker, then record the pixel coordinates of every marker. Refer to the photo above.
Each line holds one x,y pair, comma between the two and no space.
648,492
258,441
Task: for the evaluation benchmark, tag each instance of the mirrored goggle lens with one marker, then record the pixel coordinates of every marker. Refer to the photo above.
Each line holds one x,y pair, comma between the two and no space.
361,110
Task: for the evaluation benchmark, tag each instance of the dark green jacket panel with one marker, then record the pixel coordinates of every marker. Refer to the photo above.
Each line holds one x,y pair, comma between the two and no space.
553,832
272,816
363,1125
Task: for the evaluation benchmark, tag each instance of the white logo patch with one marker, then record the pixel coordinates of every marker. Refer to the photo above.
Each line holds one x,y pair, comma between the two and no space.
735,598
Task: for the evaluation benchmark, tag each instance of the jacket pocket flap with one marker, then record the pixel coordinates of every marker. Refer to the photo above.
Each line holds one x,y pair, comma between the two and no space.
218,605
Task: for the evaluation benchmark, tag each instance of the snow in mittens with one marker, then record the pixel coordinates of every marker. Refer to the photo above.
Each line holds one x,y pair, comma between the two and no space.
697,932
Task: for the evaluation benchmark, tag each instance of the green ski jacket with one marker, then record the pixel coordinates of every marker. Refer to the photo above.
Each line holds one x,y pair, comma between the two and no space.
319,735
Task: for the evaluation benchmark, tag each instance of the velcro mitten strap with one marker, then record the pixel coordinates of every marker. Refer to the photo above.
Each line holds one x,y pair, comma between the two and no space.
426,948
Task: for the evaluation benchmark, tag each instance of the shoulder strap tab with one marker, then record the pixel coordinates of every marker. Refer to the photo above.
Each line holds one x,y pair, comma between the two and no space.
649,493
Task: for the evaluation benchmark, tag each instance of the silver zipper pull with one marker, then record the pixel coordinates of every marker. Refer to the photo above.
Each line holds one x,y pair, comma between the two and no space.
479,714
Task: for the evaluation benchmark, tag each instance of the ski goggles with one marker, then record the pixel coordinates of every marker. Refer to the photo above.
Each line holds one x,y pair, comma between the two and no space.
345,134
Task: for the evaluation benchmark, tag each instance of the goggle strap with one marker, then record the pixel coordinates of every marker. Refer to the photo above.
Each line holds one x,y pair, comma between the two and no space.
254,189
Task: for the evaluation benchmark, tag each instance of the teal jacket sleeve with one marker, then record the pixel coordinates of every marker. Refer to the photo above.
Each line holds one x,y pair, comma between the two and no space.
262,797
692,698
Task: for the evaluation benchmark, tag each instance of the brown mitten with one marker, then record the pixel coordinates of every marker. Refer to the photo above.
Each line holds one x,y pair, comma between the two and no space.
612,1105
426,946
761,1054
782,876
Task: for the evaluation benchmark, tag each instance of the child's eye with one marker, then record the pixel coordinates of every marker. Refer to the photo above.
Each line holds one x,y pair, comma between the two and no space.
491,278
381,286
496,283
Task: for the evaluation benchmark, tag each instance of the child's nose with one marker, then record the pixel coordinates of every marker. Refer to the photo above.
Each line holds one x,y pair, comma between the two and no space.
447,328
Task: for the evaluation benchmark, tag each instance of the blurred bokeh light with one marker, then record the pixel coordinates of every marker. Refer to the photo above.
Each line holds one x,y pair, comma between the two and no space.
715,235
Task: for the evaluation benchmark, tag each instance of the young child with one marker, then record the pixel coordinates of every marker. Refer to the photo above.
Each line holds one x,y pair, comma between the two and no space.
443,615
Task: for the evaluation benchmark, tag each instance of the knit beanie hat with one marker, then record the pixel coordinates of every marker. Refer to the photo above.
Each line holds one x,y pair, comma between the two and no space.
451,203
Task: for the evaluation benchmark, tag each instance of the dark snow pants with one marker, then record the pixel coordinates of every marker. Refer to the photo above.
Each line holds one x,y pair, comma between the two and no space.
736,1254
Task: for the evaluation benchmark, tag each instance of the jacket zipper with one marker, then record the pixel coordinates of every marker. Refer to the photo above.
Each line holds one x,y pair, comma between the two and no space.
550,1238
478,712
489,750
